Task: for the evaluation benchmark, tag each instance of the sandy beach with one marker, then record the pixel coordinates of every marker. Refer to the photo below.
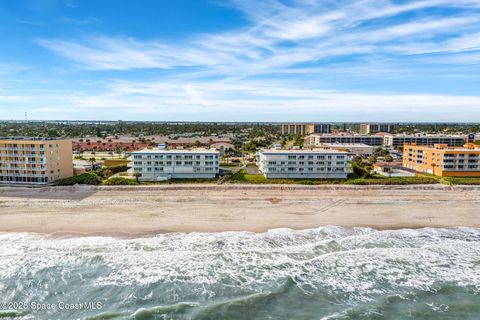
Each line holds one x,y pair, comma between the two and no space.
210,208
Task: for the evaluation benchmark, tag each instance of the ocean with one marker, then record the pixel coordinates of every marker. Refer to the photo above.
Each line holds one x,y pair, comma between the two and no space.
324,273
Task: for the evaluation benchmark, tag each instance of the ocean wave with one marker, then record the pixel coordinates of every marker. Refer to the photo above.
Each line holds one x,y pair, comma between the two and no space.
201,274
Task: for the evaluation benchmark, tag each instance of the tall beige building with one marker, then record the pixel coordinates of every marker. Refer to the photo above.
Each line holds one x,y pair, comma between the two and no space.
371,128
34,160
304,129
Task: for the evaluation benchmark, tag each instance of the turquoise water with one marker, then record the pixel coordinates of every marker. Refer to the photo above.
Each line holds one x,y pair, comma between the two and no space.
324,273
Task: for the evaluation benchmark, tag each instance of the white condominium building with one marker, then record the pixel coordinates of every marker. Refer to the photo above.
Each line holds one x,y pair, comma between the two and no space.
399,140
310,164
34,161
318,139
162,164
356,149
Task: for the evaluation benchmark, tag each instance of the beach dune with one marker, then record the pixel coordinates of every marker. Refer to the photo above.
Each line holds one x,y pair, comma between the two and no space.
209,208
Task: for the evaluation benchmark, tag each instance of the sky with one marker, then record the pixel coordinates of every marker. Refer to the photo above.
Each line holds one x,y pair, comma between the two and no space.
240,60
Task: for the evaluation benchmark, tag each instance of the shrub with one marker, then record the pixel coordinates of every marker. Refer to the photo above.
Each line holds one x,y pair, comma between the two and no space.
119,181
107,172
393,181
462,180
85,178
359,171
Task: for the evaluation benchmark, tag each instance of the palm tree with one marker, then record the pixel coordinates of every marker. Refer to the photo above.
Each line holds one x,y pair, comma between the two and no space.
137,175
92,161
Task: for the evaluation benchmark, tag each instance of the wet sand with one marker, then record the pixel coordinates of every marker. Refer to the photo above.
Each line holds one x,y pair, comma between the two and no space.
138,210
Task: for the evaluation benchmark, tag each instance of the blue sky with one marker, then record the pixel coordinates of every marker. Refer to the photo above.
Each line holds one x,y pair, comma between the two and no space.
240,60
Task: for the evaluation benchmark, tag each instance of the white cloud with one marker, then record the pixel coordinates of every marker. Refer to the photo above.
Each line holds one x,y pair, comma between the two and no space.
314,32
295,50
238,100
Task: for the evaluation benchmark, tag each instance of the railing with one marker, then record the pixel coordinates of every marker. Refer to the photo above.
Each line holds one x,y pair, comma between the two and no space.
21,149
21,162
24,175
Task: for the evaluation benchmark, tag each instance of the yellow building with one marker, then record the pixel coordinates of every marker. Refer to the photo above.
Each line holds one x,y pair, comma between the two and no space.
34,160
442,160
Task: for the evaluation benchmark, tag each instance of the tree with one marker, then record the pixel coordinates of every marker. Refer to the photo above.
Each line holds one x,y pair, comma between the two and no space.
92,161
137,175
298,141
388,158
250,146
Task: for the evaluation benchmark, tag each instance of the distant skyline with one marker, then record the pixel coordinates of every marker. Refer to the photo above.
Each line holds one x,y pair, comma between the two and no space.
240,60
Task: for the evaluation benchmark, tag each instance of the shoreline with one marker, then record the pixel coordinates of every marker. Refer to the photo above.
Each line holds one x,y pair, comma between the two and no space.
127,211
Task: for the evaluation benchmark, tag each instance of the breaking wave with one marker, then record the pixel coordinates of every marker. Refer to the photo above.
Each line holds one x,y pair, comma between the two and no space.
324,273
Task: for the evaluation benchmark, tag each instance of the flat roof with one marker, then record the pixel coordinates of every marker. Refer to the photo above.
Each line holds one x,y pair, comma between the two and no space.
347,145
345,135
427,136
32,138
449,148
176,151
300,151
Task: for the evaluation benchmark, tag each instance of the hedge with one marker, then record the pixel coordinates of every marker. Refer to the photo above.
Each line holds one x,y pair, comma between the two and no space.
85,178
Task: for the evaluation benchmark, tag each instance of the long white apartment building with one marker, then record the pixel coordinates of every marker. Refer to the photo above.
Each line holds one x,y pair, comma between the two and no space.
399,140
160,164
304,163
319,139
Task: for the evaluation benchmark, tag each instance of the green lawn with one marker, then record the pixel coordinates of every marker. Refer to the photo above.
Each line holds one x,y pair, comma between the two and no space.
243,176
